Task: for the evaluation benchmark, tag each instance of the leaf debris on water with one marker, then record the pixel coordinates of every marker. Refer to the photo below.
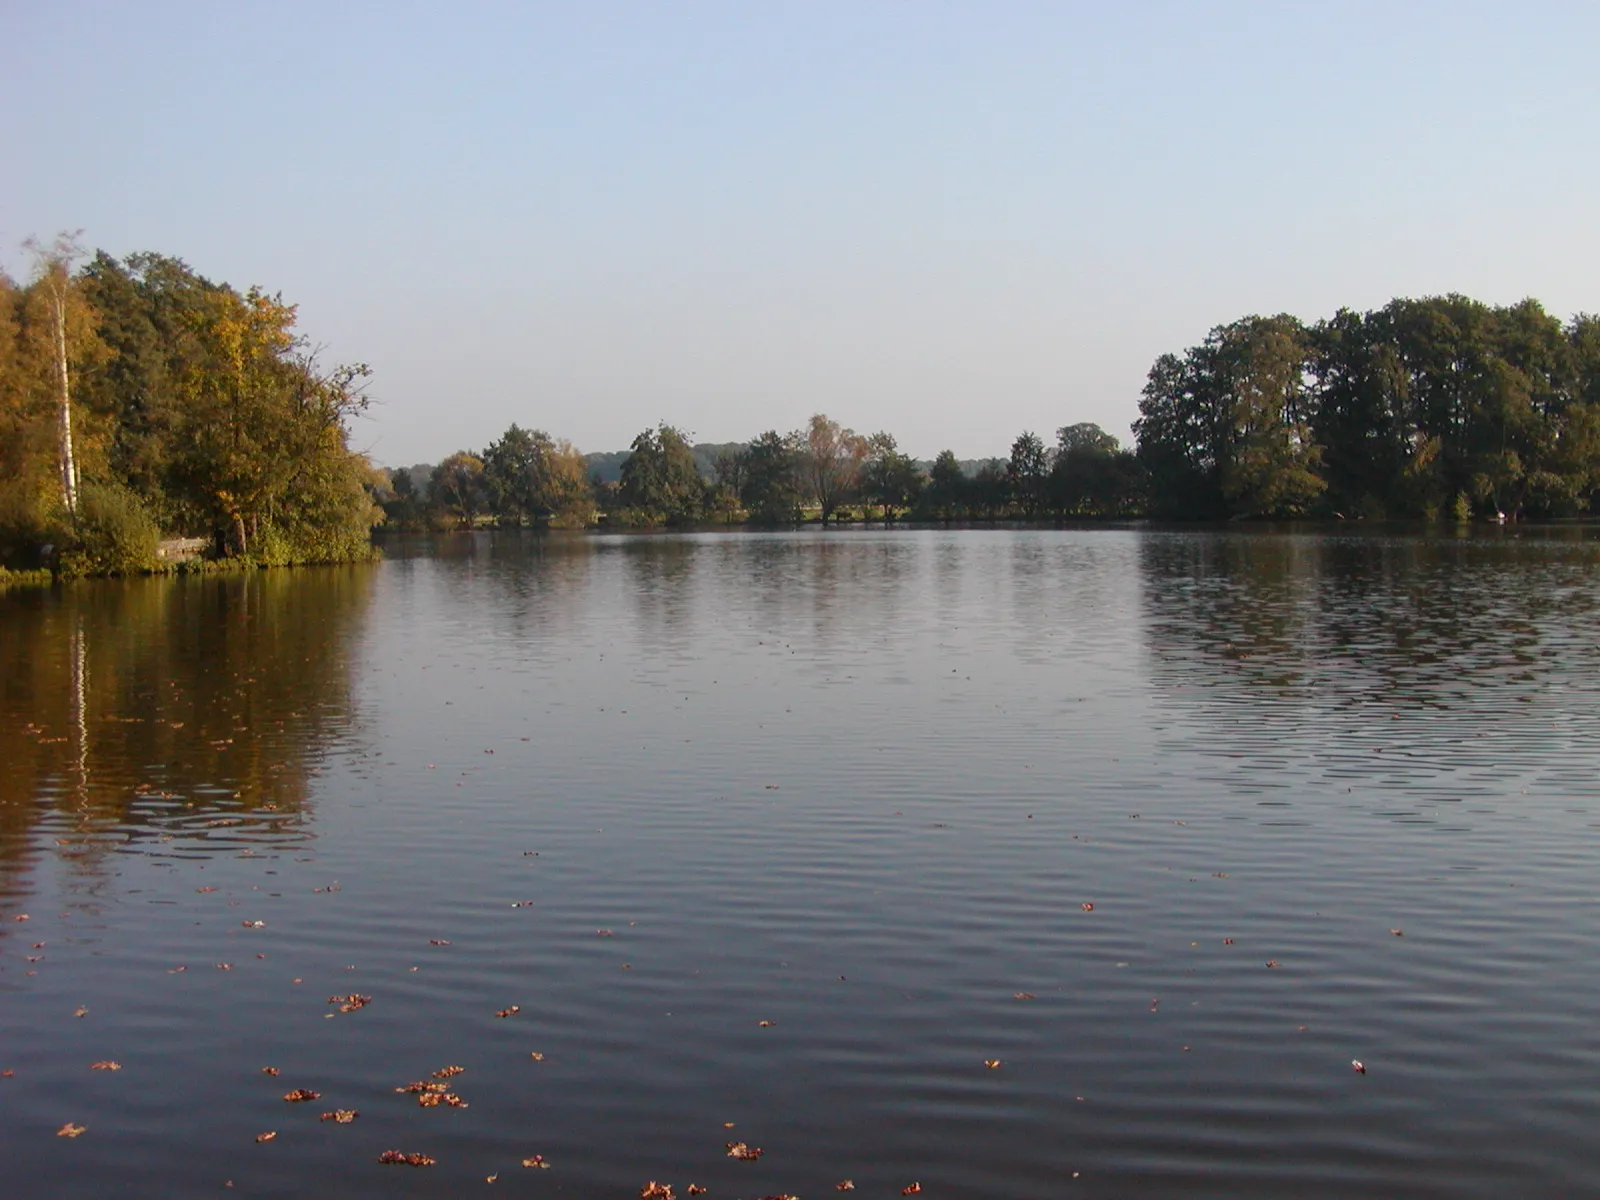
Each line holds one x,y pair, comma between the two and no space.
509,1012
267,1136
409,1160
340,1116
70,1130
656,1191
745,1152
449,1072
536,1160
300,1095
269,1070
105,1065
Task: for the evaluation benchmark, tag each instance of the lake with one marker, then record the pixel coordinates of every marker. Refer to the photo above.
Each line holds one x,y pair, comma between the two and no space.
1012,863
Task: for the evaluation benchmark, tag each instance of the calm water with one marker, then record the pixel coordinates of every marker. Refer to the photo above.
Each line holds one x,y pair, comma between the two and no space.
763,836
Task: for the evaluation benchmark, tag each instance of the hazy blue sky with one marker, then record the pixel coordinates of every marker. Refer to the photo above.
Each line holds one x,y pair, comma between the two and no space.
951,221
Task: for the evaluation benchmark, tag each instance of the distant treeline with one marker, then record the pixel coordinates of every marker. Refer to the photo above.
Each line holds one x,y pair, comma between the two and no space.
1442,408
138,399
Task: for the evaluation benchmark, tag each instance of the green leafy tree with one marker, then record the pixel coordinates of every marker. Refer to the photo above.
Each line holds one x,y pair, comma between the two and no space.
660,479
1028,474
1225,429
531,477
891,479
457,490
769,479
945,496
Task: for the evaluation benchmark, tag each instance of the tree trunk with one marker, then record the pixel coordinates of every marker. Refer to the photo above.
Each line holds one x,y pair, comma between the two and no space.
68,464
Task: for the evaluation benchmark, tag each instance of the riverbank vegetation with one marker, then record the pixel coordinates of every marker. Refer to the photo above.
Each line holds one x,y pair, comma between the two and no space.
1441,408
141,401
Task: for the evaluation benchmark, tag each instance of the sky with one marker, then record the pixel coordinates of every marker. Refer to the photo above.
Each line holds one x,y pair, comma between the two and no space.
953,222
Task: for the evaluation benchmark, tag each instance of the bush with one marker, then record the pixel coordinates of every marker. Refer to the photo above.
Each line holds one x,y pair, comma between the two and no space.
115,534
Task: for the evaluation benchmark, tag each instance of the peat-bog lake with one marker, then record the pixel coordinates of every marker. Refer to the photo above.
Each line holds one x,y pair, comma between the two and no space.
1112,863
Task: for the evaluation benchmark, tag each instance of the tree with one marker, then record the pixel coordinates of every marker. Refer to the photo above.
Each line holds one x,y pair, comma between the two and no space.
891,478
1092,474
1225,429
53,278
531,477
832,463
769,479
457,488
660,478
946,494
1028,474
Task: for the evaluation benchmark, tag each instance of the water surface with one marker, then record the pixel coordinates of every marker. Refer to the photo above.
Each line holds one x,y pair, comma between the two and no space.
763,836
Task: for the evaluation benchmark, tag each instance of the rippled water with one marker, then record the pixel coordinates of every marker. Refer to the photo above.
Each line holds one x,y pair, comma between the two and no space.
763,836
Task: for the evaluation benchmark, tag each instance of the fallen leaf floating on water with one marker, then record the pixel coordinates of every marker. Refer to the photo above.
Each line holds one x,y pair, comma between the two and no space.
536,1056
269,1070
766,1024
911,1189
1361,1067
254,924
349,1004
538,1161
340,1116
203,890
741,1151
449,1072
404,1159
1398,932
694,1189
1272,962
991,1063
1227,941
105,1065
438,941
491,1178
1024,996
656,1191
80,1011
522,904
509,1012
300,1095
432,1099
845,1185
422,1085
1087,907
604,933
70,1130
267,1136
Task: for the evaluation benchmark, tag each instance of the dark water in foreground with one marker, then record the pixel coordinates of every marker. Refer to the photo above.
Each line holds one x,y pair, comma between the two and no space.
657,793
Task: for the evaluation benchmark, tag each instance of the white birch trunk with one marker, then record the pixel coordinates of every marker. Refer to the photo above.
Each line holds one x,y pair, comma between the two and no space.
68,464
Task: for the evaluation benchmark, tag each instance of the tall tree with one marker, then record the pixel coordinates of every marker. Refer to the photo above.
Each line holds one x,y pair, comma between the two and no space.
532,477
54,280
889,477
660,477
457,488
769,483
1028,474
946,494
832,463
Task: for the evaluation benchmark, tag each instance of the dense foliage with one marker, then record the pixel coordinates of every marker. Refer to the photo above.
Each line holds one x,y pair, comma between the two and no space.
1433,408
139,399
1441,407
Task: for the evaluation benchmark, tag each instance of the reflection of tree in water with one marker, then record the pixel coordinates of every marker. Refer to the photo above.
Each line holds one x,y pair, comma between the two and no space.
1419,647
170,707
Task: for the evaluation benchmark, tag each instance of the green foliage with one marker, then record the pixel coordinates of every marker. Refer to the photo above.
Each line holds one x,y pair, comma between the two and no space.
661,481
115,534
530,477
890,479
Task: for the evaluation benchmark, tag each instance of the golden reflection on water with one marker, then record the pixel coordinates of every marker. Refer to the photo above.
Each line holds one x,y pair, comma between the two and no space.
123,699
